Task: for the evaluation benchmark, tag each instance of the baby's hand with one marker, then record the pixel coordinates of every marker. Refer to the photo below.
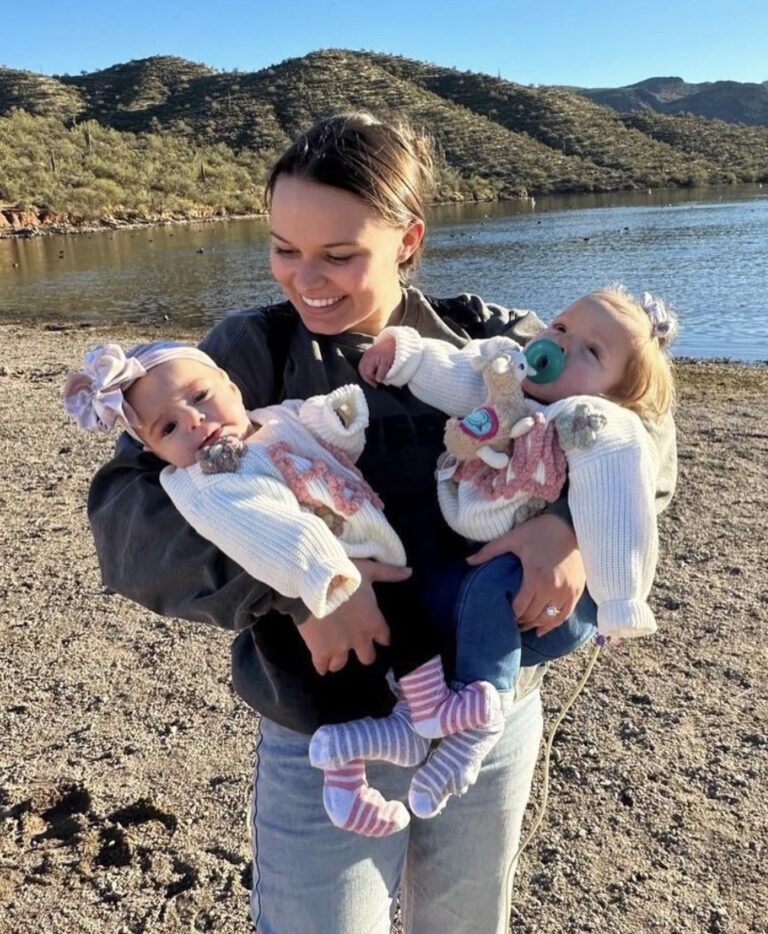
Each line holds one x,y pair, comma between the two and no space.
377,360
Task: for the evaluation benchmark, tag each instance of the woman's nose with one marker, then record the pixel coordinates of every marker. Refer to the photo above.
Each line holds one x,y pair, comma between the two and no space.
308,275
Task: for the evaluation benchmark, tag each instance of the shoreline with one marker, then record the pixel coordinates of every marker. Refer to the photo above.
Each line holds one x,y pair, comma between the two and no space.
128,759
20,223
109,224
125,331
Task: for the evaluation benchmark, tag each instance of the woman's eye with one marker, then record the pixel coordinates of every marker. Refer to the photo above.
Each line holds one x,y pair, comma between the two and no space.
332,258
283,251
168,429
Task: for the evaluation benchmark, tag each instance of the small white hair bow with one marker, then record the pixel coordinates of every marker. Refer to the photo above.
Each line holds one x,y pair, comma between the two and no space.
661,321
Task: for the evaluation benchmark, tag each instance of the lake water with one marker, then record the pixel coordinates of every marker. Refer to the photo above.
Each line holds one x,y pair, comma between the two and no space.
706,251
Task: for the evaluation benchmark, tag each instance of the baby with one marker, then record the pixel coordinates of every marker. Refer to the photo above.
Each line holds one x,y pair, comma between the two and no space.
276,490
612,371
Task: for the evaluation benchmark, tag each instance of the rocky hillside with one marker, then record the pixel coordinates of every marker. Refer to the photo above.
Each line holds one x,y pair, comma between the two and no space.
98,144
732,101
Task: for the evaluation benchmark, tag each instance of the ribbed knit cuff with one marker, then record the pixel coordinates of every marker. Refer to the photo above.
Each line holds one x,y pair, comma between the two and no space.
408,351
627,619
324,591
320,414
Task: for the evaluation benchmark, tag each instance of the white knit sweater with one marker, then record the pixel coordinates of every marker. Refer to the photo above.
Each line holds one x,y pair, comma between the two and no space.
254,516
612,475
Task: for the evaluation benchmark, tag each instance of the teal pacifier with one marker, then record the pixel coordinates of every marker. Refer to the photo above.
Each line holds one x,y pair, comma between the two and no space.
547,358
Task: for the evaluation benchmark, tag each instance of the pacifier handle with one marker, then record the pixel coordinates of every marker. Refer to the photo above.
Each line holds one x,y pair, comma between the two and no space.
547,358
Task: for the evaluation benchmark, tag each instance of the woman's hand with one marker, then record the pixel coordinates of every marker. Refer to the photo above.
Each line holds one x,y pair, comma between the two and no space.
377,360
553,572
357,625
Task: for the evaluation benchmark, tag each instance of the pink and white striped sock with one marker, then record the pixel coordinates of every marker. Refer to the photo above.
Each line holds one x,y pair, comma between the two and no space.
382,739
437,711
452,768
353,805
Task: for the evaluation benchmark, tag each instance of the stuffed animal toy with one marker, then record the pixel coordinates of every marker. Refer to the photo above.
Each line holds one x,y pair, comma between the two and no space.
488,432
223,456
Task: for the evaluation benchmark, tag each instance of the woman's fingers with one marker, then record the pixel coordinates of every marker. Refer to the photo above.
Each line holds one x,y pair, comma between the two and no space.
356,626
380,572
365,651
553,572
544,607
336,662
499,546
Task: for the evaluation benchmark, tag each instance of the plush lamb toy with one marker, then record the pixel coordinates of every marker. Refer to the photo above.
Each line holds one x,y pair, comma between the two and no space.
488,432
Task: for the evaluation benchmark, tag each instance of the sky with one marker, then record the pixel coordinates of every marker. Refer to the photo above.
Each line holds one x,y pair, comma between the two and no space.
602,43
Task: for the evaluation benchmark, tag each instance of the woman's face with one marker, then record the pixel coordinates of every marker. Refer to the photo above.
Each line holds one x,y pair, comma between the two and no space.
336,261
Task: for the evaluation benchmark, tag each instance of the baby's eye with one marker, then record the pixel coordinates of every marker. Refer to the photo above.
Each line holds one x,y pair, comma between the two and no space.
168,429
558,326
595,351
200,396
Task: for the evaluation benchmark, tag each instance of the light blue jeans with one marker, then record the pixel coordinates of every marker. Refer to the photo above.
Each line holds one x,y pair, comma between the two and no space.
453,872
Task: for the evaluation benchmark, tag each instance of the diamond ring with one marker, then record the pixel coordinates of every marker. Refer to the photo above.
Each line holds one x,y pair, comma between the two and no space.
551,610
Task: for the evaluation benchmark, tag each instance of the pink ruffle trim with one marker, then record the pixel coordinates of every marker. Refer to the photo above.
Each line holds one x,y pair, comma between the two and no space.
539,446
346,495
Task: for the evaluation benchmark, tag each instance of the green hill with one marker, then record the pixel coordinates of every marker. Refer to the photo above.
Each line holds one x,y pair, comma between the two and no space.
163,135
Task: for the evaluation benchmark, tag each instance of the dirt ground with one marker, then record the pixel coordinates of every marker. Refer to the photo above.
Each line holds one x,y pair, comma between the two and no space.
126,759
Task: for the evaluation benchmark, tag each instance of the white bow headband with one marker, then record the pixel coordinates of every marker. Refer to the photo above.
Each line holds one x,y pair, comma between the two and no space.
95,395
661,320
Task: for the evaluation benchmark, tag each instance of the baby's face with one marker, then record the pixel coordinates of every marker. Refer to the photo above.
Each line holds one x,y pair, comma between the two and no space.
597,344
184,405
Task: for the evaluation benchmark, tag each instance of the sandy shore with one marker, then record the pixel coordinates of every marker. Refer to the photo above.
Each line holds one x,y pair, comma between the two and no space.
126,758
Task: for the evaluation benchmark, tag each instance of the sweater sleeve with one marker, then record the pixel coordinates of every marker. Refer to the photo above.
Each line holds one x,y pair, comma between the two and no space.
612,469
338,418
257,521
445,377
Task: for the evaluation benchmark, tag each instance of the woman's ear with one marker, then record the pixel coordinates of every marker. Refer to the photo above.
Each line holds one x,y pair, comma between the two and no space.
412,237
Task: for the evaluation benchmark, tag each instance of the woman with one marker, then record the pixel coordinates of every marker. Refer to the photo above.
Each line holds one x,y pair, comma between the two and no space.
347,222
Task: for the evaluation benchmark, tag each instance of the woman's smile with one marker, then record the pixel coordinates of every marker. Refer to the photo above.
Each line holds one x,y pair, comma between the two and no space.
321,302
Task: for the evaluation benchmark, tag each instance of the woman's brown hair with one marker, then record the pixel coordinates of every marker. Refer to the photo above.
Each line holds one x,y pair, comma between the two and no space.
388,167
